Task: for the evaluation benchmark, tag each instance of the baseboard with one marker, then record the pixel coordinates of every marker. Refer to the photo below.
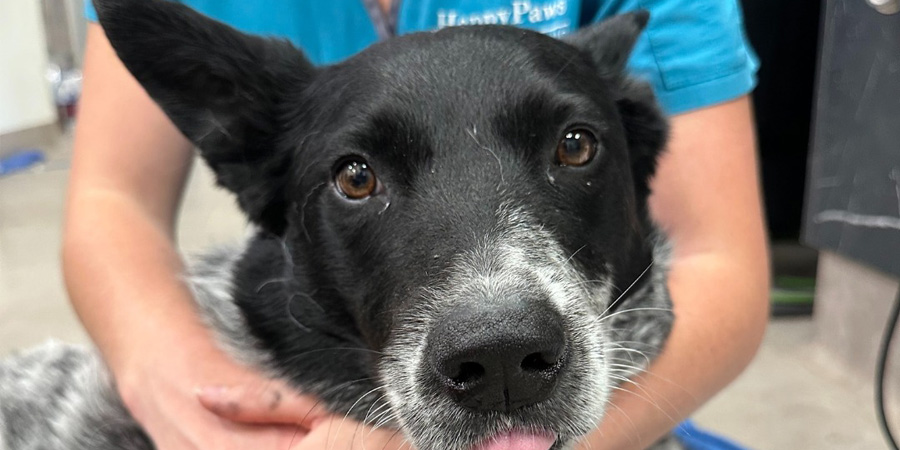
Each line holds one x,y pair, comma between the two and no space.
34,137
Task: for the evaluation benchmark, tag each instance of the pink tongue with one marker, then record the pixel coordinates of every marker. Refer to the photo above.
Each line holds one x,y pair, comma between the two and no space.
518,440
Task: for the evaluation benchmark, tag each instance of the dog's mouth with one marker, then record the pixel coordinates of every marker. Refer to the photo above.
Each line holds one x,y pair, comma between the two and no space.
519,439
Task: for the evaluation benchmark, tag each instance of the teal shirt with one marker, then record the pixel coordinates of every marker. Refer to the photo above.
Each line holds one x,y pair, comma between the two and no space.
694,52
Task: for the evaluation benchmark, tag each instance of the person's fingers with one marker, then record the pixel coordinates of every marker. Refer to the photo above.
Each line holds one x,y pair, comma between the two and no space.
337,433
228,435
262,403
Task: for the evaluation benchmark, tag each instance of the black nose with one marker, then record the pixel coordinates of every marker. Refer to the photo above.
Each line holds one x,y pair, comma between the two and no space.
499,356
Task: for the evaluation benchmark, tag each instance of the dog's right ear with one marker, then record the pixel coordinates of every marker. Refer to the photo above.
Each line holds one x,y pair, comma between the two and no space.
609,43
220,87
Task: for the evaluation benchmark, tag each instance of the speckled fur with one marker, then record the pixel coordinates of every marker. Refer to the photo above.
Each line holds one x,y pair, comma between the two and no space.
60,397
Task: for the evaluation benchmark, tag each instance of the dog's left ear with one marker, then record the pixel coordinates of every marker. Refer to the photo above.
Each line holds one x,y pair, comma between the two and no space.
609,44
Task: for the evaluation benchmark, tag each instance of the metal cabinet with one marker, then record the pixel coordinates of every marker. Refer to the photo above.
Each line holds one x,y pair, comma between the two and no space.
853,189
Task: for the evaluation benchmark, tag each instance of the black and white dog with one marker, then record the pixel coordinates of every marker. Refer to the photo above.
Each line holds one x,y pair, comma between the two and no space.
453,233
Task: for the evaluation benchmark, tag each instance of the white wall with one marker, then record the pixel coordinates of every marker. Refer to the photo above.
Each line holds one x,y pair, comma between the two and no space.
25,99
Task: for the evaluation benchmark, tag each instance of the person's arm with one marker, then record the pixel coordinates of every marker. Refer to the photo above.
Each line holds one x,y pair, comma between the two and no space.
123,272
706,196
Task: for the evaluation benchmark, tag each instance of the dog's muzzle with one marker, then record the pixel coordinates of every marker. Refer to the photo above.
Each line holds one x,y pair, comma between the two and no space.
505,352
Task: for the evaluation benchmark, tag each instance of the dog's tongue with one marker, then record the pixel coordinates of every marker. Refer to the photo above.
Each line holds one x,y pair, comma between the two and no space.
518,440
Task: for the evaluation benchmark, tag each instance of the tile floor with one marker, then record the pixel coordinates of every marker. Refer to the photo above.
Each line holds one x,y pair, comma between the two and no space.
791,398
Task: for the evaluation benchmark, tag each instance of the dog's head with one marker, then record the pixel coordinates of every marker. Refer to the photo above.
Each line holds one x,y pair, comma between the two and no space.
475,199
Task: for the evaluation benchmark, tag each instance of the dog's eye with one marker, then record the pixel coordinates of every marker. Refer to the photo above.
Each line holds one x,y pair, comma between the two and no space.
576,148
355,179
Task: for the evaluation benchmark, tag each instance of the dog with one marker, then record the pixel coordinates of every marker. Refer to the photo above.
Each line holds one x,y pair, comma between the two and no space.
452,234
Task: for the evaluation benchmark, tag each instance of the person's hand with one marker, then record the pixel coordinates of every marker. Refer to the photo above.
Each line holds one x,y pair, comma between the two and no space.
161,391
276,405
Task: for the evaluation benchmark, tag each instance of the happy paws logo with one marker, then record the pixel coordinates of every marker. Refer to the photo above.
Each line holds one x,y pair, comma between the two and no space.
548,17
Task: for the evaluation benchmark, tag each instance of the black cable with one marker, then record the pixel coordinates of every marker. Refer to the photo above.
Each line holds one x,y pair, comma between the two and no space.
882,365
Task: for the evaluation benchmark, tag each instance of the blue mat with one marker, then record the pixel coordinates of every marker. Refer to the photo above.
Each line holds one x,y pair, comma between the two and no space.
697,439
20,160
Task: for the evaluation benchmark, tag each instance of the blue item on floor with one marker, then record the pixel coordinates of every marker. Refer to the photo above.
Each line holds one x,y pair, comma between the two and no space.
695,438
20,160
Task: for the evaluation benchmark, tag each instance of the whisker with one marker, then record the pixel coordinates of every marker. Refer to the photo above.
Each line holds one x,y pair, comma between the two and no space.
288,257
646,359
625,292
308,297
325,393
377,411
302,211
294,318
647,372
472,134
391,439
582,282
361,397
634,310
360,424
634,433
386,417
621,343
574,253
647,397
271,281
628,368
294,436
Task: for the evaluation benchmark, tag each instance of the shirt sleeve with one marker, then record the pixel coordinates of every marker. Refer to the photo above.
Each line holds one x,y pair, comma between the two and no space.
89,12
693,52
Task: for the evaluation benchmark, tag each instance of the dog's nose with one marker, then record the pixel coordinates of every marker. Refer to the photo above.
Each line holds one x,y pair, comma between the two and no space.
499,356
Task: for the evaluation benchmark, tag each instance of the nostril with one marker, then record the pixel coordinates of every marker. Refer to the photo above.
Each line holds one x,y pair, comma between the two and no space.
468,372
539,362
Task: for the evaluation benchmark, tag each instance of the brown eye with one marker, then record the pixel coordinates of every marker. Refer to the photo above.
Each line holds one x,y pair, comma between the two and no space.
355,179
576,148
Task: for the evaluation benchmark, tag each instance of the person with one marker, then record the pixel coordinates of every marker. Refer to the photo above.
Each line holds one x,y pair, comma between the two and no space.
130,165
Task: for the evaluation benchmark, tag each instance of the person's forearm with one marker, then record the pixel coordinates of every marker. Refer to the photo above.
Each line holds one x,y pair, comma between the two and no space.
701,356
124,278
128,171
